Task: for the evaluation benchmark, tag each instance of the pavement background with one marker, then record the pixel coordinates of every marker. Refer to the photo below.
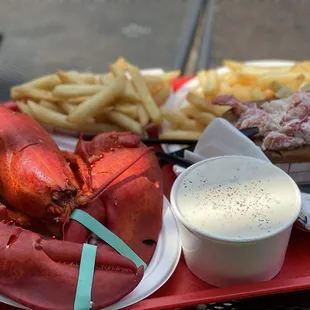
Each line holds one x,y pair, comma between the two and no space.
41,36
261,29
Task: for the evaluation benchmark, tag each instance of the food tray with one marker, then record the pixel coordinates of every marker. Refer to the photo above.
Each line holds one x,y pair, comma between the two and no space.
294,164
183,289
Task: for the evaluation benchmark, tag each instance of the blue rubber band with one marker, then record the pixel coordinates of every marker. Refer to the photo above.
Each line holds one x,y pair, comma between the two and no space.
85,281
106,235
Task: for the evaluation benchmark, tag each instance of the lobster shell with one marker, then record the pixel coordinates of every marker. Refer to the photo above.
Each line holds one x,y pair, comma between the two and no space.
39,186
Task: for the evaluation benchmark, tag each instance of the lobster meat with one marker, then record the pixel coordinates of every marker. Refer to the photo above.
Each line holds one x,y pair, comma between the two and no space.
115,178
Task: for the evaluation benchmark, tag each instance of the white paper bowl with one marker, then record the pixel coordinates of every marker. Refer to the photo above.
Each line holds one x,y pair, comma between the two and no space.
226,261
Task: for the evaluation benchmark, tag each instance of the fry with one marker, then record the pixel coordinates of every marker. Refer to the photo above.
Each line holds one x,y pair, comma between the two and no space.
73,77
200,102
142,115
129,93
205,118
232,64
167,77
36,94
93,105
76,100
50,105
191,111
23,107
103,116
121,62
192,125
229,78
146,97
306,65
179,119
69,78
173,116
46,82
125,121
301,67
49,117
181,134
125,65
252,72
153,80
296,83
224,88
208,80
242,93
130,110
67,107
73,90
56,119
264,80
257,94
162,94
86,77
116,70
103,78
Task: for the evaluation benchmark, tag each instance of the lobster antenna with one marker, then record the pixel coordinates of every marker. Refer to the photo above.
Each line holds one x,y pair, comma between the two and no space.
63,227
101,189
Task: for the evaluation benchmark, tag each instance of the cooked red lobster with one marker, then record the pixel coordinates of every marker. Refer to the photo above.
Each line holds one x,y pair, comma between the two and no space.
115,178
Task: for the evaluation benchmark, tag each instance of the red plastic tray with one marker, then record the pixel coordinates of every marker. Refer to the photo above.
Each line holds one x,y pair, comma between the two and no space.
183,289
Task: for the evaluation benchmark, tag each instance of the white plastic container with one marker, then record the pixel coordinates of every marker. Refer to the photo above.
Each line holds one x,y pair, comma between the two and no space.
235,217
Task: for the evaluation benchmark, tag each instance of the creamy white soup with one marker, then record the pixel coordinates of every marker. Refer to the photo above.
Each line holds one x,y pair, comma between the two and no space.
238,197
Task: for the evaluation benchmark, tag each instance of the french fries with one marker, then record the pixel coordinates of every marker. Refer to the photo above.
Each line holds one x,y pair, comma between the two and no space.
161,94
126,122
75,91
96,103
181,134
208,81
129,109
122,99
247,83
51,105
253,83
47,82
143,116
53,118
30,92
145,95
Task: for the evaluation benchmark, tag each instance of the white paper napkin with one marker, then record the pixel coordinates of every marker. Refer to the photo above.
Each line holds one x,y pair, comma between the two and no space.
221,138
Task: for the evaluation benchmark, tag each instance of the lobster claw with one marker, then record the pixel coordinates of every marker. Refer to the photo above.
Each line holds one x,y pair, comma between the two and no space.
43,274
135,216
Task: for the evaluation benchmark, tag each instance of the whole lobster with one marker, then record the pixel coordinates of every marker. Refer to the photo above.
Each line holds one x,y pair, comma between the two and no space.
114,178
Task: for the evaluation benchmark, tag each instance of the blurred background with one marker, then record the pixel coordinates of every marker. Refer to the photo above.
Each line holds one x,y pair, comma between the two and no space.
41,36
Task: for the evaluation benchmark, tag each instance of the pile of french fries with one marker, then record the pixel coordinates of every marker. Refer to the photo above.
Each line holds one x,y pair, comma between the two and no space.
245,82
252,83
122,99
